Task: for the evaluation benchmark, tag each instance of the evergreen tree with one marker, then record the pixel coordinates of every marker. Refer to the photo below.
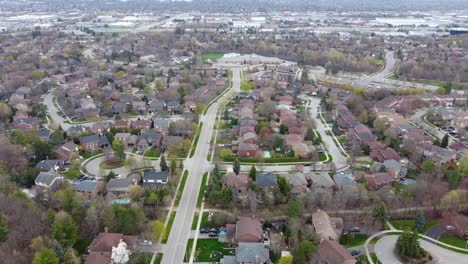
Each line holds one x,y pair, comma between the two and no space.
420,221
64,229
408,246
236,167
253,172
163,163
4,230
173,166
45,256
215,174
445,141
380,213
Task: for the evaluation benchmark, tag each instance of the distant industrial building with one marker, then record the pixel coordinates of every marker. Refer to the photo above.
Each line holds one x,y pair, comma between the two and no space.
458,31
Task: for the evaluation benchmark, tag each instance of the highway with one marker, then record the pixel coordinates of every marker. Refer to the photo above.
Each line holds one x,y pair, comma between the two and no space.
197,165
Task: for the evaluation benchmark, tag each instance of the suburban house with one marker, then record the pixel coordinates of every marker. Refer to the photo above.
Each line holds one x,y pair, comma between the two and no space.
327,228
94,142
88,188
383,154
50,165
66,150
48,181
376,181
249,253
266,181
246,150
100,250
121,187
153,179
149,139
393,167
245,230
331,252
240,182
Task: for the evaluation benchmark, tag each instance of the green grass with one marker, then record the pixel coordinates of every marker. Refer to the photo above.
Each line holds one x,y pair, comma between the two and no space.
140,258
195,221
158,258
103,165
342,140
353,240
363,259
195,140
211,56
181,188
453,240
71,174
168,228
455,86
202,190
410,224
82,245
152,153
205,247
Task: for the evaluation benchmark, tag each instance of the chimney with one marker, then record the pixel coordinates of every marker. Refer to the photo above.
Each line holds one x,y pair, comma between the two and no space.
106,230
256,260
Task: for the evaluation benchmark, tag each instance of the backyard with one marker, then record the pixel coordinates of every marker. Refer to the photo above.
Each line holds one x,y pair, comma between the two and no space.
410,224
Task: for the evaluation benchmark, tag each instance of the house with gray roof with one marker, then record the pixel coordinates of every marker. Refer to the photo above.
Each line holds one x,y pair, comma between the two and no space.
48,180
50,165
344,178
120,187
88,188
252,253
153,179
94,142
266,181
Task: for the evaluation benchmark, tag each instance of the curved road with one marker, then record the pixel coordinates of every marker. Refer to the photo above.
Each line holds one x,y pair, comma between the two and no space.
384,248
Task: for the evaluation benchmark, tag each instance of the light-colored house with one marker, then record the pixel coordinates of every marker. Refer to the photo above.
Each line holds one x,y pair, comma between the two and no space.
327,228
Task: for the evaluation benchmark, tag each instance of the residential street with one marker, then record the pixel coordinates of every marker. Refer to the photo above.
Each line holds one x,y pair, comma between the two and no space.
339,159
385,246
197,165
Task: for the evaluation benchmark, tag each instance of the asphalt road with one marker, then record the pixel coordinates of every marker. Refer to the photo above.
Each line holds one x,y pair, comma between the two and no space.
390,65
339,159
197,165
385,246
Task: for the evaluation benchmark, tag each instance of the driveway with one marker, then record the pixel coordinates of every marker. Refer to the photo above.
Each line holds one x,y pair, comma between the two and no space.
435,232
384,248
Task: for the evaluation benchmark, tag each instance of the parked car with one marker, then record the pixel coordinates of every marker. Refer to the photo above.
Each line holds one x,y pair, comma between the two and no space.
355,229
145,242
212,234
204,231
355,252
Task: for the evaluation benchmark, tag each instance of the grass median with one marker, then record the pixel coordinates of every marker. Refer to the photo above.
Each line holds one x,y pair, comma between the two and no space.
181,188
195,140
202,190
168,228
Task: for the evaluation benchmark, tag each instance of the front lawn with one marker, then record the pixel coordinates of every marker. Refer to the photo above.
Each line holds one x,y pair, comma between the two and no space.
409,224
152,153
453,240
206,247
71,174
353,240
140,258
